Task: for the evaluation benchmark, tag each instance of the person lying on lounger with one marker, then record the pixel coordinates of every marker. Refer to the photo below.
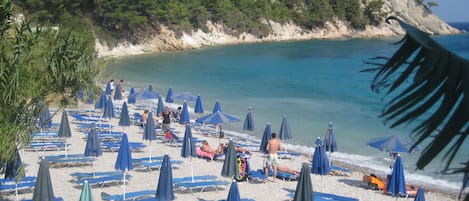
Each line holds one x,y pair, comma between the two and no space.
207,148
283,168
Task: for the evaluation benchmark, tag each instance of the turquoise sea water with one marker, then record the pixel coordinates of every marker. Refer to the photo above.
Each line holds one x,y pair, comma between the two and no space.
312,82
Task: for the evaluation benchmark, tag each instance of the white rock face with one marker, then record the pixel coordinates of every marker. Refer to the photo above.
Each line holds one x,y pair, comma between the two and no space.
166,40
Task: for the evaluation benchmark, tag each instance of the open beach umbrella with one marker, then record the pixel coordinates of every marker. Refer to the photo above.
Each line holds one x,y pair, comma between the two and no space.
101,102
15,170
216,107
330,142
118,93
43,189
304,187
160,106
198,108
230,164
86,194
93,145
64,130
396,184
185,118
218,117
233,194
265,139
124,158
285,132
149,133
124,119
188,147
108,88
393,144
131,99
185,96
164,189
169,96
145,95
420,196
109,109
320,163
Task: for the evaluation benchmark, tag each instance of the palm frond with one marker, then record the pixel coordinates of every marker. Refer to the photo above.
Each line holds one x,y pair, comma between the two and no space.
429,82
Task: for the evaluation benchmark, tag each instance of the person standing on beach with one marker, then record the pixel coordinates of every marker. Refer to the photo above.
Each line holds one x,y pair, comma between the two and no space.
272,161
144,118
166,114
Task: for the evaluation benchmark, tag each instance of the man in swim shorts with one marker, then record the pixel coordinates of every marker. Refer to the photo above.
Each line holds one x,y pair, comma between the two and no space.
272,161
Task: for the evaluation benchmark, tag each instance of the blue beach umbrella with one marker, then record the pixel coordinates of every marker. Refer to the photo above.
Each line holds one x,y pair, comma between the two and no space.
216,107
188,147
160,106
164,189
108,109
93,145
64,130
80,94
15,170
248,121
108,88
230,164
217,118
285,132
393,144
131,99
396,184
265,138
144,95
45,119
124,119
233,194
43,190
124,158
86,194
118,93
304,187
320,163
150,88
185,118
420,196
185,96
101,102
330,142
89,100
169,96
149,131
198,108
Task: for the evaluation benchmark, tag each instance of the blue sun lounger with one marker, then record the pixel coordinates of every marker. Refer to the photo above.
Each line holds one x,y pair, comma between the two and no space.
137,195
153,158
202,185
286,154
45,146
62,156
114,146
259,175
103,180
85,175
11,187
196,178
12,180
55,199
156,164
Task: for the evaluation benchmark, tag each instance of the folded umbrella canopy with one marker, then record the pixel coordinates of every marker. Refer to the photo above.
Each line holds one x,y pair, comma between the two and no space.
169,96
164,189
185,118
265,139
233,194
15,170
188,147
124,158
230,165
304,187
43,189
330,142
396,184
64,130
285,132
198,108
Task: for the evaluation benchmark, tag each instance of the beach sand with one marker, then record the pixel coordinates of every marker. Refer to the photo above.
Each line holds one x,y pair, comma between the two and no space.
351,186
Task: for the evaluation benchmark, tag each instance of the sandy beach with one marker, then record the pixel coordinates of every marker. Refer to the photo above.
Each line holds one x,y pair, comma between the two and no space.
143,179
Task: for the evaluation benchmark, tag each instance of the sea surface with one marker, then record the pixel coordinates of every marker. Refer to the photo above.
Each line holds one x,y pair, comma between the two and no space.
311,82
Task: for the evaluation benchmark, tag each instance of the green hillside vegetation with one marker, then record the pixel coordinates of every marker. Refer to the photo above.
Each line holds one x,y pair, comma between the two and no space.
115,20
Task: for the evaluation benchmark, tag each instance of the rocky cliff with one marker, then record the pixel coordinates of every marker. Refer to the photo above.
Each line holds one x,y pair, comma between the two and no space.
166,40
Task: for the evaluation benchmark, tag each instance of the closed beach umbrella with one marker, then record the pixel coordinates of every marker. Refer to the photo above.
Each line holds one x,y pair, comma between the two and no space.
396,183
230,164
188,147
101,102
233,194
304,187
118,93
169,96
393,144
216,107
86,194
185,118
89,100
198,108
420,196
149,133
108,88
164,189
265,138
124,119
160,106
329,140
43,189
320,163
80,94
185,96
93,145
131,99
15,170
124,158
45,119
150,88
285,132
108,109
248,121
64,130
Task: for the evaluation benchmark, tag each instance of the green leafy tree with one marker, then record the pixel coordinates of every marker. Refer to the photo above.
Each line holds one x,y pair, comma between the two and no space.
430,83
37,63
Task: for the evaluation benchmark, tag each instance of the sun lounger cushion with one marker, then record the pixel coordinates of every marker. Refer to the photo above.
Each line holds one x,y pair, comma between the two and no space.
129,196
331,197
103,180
21,186
83,175
12,180
196,178
202,184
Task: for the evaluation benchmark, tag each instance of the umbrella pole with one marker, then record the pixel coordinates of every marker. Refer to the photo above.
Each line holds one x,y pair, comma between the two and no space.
149,158
192,170
66,147
124,186
16,190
